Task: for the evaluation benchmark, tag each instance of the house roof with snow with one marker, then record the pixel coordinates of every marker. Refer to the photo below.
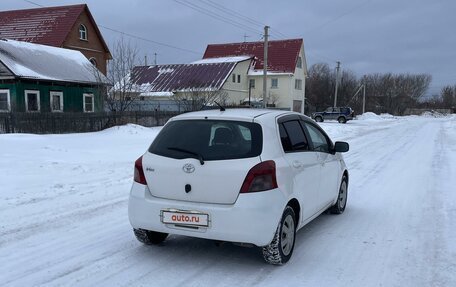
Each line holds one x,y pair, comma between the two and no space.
202,75
282,54
39,62
47,25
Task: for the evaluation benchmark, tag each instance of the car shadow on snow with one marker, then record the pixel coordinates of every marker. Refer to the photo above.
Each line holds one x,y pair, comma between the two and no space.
183,250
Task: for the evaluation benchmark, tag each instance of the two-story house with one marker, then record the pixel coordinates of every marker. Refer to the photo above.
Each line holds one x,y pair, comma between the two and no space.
286,70
71,27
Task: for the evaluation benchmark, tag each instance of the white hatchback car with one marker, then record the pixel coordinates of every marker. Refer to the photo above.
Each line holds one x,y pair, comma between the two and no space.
241,175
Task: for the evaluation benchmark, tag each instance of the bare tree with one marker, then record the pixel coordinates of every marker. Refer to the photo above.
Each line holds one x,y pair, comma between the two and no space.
124,91
448,96
195,99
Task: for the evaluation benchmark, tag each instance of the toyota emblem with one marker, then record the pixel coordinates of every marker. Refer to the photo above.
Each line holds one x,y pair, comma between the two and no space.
188,168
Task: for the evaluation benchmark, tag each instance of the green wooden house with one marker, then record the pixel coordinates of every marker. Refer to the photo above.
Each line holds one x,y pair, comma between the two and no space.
40,79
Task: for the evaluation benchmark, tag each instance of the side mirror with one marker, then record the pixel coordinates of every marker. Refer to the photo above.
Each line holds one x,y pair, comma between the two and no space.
341,147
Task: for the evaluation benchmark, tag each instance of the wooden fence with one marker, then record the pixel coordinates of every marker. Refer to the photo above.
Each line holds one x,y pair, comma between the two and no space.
57,123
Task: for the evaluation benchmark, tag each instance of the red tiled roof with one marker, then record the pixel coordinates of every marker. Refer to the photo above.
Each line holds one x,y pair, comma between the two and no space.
282,54
178,77
48,26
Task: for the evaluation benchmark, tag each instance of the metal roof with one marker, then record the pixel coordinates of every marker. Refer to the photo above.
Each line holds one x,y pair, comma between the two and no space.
40,62
47,25
282,54
181,77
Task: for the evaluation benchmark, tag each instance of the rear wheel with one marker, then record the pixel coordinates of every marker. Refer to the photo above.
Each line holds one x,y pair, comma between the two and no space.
279,251
339,207
318,119
342,120
149,237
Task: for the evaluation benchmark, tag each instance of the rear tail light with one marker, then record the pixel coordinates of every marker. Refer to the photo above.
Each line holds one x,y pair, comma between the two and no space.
139,172
261,177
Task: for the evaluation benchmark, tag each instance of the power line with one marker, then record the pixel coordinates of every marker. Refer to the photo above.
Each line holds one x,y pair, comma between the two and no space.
133,36
36,4
150,41
216,16
232,12
239,15
341,15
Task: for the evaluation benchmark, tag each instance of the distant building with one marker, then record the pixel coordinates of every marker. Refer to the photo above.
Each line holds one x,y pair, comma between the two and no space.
71,27
286,71
158,86
39,78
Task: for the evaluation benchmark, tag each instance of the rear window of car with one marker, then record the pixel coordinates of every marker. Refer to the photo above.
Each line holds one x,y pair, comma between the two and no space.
210,139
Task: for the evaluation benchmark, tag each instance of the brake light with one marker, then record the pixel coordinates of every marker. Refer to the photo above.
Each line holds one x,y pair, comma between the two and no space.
139,172
261,177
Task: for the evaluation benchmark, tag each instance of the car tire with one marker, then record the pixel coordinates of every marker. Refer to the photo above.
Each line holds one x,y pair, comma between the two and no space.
280,249
341,202
319,119
342,120
149,237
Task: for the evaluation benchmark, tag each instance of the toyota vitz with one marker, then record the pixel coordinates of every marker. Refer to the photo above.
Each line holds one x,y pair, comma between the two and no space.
241,175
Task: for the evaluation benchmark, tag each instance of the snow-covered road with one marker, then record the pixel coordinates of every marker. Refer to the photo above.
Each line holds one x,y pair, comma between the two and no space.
63,215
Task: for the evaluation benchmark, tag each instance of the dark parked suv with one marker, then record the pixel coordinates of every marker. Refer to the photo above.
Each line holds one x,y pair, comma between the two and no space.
342,114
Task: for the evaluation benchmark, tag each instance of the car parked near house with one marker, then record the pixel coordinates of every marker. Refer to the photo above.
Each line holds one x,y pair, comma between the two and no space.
340,114
242,175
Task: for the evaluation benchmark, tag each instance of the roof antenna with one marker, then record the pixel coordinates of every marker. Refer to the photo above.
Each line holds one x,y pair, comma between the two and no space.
222,109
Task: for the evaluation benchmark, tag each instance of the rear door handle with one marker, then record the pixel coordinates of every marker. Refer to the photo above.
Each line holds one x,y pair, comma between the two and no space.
297,164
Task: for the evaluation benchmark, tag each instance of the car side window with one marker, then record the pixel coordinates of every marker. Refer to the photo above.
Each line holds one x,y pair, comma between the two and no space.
293,137
319,141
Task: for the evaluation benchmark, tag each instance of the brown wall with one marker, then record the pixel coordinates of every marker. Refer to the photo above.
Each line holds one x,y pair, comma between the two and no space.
93,47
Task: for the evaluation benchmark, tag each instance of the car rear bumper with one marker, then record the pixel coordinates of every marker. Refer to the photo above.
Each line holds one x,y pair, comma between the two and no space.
253,218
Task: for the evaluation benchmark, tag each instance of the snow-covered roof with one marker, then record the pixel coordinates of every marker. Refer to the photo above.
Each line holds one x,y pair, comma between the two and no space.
269,73
180,77
157,94
40,62
234,59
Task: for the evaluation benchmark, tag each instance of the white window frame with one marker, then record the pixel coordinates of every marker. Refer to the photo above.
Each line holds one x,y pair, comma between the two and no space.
59,94
84,102
298,84
250,83
299,62
82,32
38,100
93,61
8,100
272,81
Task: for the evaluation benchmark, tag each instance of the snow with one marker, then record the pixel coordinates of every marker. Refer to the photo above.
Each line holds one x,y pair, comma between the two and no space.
35,61
222,60
260,73
157,94
63,210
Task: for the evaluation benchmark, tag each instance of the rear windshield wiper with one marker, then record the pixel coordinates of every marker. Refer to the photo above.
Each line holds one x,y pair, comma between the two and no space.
198,156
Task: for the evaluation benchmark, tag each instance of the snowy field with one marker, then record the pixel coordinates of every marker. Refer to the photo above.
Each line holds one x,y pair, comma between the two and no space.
63,215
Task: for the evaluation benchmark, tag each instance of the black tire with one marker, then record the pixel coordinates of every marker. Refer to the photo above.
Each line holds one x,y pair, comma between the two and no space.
149,237
319,119
342,120
341,202
279,251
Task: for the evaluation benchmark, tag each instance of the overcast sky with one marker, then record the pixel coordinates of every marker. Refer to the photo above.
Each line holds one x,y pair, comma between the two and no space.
367,36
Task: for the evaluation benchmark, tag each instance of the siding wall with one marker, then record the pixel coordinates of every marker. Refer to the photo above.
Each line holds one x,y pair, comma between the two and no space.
72,96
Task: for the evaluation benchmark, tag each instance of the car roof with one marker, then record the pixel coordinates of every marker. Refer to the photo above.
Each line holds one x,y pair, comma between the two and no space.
232,114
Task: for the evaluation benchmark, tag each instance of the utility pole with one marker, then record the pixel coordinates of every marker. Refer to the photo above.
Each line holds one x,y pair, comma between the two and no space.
145,60
364,98
155,59
245,37
337,83
265,65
